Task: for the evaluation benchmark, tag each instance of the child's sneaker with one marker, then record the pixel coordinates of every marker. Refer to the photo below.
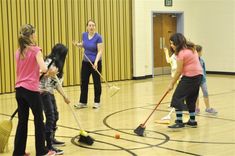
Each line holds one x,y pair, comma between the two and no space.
211,111
177,125
50,153
80,105
197,111
192,124
96,105
57,151
55,142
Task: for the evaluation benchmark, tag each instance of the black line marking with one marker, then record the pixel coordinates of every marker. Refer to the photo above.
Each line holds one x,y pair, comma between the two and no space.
124,149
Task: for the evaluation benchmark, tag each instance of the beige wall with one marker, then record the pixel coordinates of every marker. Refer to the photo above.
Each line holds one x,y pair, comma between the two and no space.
210,23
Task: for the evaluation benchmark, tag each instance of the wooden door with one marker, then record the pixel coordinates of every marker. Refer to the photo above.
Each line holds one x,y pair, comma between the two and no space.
164,25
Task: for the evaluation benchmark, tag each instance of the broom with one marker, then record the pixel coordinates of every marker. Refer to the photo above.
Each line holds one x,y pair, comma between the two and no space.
140,129
84,137
5,131
113,89
166,119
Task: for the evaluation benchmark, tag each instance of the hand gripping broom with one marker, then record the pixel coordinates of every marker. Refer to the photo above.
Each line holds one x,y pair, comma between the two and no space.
140,129
113,89
5,131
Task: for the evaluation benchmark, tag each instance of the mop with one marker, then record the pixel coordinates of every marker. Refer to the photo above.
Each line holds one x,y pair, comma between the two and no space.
166,119
140,129
113,89
83,135
5,131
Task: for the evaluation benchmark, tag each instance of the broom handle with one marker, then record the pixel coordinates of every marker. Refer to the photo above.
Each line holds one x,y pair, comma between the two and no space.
13,115
171,111
97,70
155,107
52,61
75,116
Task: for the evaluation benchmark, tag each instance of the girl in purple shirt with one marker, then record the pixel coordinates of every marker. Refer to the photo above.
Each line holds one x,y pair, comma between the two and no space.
93,48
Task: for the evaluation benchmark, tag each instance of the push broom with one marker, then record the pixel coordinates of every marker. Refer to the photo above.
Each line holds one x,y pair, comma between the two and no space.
84,137
113,89
140,129
5,131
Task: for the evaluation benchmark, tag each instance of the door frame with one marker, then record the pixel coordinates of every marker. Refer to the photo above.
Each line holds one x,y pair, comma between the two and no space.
179,28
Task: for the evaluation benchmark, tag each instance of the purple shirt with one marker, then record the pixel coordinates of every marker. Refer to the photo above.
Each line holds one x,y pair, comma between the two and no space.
90,45
27,69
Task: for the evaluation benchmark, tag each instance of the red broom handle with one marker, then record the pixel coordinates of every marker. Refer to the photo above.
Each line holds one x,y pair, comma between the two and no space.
155,108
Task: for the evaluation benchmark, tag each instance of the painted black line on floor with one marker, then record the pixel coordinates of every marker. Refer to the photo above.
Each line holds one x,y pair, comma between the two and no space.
89,147
167,138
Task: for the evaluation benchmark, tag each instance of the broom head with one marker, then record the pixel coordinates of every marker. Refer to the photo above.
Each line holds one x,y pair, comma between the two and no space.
5,131
85,138
113,90
163,121
140,130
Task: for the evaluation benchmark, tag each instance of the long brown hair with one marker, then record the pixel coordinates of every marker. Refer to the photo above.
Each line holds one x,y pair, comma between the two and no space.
180,43
24,37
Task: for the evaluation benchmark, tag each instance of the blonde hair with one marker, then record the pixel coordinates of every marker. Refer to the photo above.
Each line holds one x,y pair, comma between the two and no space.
24,37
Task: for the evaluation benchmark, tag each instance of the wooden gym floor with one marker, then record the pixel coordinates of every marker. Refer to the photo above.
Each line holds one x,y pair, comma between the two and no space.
124,112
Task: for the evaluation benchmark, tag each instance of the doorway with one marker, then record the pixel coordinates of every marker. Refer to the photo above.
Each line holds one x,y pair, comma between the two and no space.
164,25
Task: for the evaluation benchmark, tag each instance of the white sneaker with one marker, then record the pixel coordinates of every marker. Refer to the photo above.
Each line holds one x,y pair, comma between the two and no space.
96,105
80,105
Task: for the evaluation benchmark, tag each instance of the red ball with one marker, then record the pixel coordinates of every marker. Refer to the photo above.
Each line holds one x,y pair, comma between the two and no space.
117,136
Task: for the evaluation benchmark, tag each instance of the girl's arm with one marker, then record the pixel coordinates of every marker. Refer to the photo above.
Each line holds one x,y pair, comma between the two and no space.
177,74
61,91
78,44
168,60
42,65
41,62
99,54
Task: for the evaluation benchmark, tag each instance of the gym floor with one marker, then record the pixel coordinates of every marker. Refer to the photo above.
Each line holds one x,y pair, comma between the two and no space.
122,113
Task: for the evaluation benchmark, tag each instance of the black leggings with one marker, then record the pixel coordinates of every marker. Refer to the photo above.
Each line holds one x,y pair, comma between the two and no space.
187,89
50,109
86,71
29,99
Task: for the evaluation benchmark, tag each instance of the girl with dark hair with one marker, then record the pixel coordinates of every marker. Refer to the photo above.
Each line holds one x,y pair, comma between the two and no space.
29,62
47,87
187,90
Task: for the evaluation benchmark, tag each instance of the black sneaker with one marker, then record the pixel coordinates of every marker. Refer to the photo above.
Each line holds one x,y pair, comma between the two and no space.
57,151
177,125
57,143
192,124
